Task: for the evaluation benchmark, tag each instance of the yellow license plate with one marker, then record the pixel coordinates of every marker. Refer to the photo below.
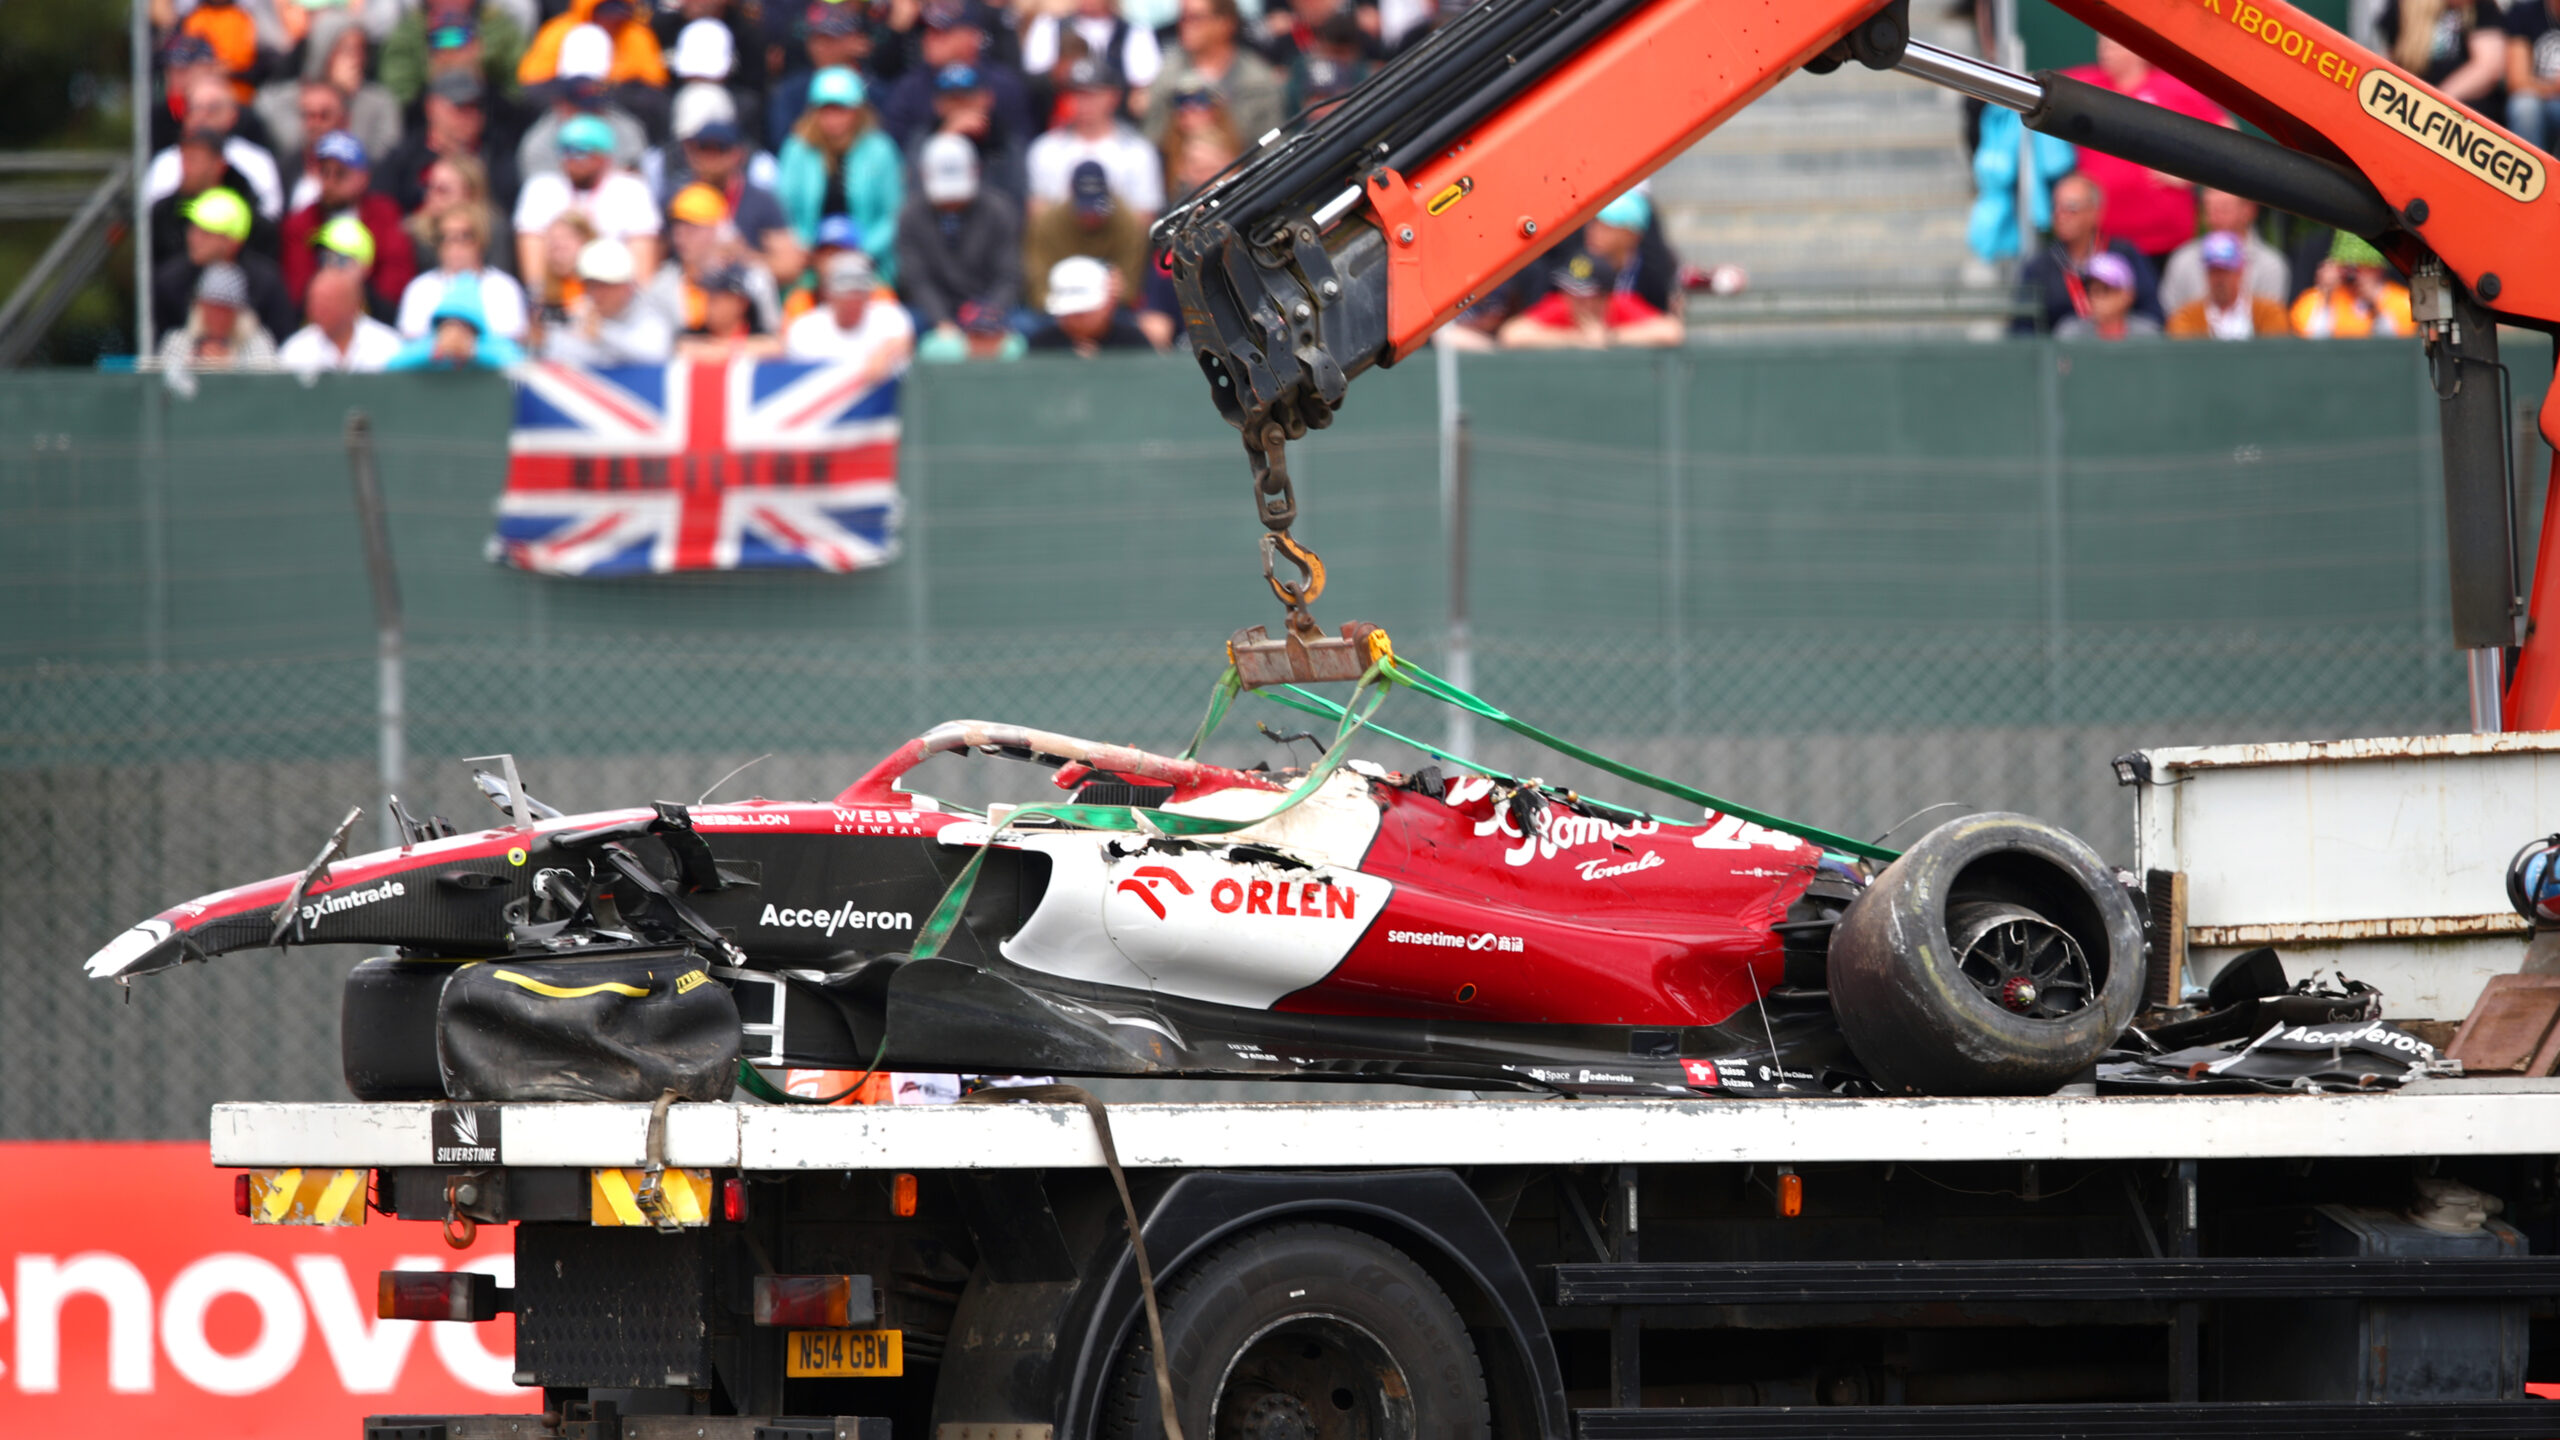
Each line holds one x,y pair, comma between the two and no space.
841,1354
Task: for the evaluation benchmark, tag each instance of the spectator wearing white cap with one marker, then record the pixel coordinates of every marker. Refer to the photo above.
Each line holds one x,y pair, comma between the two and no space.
965,103
1085,313
860,324
710,147
706,53
632,55
959,247
341,338
737,60
222,332
1090,223
609,323
1094,131
701,106
580,89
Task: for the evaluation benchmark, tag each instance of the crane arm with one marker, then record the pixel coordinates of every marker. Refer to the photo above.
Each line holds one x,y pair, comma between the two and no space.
1345,244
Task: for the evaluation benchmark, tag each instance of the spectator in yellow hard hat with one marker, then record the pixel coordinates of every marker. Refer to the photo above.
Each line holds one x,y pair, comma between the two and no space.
215,228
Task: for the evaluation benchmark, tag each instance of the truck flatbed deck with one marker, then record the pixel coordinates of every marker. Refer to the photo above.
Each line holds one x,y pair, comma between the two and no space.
2478,1117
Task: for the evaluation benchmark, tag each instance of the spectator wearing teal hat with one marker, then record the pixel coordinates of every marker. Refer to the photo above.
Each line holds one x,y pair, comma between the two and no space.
580,86
1587,311
839,161
217,225
1626,237
458,338
615,203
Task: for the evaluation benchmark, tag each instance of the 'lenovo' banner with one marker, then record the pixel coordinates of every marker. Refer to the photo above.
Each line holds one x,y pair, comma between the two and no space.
133,1301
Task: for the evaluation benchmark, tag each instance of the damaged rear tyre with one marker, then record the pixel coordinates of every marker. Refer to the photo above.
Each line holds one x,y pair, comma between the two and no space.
1998,956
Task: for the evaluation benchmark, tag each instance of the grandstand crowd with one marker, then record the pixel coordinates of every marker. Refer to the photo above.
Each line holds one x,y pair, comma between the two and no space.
392,184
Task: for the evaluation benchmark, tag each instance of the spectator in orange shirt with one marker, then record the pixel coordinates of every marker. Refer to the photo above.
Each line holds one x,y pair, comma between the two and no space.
226,27
637,59
2353,296
2229,309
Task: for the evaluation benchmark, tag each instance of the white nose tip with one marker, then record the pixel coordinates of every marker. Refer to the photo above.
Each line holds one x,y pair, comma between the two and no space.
121,953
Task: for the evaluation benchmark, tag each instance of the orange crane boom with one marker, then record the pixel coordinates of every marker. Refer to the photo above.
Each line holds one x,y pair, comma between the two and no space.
1346,243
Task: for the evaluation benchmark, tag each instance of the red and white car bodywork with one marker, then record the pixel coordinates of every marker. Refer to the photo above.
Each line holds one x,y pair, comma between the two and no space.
1466,930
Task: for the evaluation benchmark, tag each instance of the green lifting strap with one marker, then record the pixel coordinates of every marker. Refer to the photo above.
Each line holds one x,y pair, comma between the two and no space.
937,928
1408,673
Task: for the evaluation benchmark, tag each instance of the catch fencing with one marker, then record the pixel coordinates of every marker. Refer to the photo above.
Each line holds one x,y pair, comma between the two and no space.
1843,582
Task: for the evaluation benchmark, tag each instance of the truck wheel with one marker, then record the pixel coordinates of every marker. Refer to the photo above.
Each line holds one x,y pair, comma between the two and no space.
1305,1332
1998,956
387,1029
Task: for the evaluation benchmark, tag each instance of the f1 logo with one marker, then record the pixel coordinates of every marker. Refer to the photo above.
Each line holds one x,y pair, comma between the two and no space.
1141,883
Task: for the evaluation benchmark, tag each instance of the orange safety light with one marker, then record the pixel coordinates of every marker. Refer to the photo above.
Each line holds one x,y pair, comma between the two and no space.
902,1194
1790,1193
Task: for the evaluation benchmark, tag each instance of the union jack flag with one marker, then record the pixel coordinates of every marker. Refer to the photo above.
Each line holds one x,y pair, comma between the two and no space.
700,465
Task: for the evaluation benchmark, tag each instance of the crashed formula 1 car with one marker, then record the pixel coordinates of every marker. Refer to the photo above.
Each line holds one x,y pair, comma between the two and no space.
1464,931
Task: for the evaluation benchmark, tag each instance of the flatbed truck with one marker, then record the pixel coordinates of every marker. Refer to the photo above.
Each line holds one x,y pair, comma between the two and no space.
1545,1269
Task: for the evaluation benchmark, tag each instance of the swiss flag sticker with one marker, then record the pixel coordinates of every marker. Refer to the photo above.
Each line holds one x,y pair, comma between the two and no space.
1701,1073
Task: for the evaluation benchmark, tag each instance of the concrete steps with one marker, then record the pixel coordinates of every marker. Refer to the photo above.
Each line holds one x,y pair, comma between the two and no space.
1848,183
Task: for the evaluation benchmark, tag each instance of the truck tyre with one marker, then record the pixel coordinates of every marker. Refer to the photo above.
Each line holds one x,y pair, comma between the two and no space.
1305,1332
1998,956
387,1029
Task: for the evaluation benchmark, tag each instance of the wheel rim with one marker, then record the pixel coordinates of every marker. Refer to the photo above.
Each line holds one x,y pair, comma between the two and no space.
1313,1377
2020,961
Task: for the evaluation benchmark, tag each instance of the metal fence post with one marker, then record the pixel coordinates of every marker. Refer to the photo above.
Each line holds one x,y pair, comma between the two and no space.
1454,504
1675,531
2056,366
915,477
140,94
391,714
